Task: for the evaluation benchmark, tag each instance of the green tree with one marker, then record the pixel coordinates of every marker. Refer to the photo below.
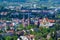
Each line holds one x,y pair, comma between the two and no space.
8,38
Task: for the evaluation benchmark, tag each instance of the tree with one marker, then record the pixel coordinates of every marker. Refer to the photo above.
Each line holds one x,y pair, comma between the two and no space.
8,38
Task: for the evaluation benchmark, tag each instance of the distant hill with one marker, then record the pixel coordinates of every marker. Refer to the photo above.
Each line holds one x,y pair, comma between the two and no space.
54,1
44,2
13,0
30,0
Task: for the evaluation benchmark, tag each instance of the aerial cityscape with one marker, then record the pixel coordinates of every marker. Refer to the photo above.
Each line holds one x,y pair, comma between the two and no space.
29,19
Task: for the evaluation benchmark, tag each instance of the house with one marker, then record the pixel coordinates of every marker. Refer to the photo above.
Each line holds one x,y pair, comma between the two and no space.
45,22
10,24
18,39
10,31
23,37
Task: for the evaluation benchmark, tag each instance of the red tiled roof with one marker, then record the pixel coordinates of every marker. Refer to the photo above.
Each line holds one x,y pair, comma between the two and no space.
12,31
52,21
